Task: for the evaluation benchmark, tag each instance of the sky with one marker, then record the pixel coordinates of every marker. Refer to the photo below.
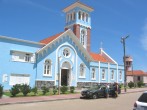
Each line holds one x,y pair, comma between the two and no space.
35,20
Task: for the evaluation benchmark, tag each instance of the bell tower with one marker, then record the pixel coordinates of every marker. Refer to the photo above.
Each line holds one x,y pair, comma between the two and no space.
78,19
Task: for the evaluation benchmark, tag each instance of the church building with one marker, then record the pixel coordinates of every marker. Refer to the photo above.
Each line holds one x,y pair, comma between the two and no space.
62,59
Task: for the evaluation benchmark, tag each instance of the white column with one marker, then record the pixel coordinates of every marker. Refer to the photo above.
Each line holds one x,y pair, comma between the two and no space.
99,72
108,72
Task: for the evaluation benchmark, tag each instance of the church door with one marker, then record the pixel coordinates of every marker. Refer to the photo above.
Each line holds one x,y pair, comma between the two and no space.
64,77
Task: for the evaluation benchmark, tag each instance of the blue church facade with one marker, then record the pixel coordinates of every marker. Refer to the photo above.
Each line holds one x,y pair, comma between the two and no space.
63,59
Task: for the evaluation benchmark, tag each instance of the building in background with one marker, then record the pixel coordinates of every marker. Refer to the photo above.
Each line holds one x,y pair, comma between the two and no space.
134,75
65,57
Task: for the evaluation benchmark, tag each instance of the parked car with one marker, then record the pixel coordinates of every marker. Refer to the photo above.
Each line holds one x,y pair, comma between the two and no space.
141,103
95,92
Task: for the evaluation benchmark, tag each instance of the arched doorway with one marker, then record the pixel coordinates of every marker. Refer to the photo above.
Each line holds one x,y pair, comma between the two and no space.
65,74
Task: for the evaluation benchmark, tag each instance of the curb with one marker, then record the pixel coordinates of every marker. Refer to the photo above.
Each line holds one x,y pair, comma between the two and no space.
37,101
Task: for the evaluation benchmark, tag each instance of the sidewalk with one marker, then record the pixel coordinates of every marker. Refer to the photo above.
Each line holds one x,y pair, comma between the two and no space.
19,100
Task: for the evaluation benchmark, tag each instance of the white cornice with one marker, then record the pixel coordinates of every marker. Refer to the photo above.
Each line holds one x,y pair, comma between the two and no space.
77,24
78,4
20,40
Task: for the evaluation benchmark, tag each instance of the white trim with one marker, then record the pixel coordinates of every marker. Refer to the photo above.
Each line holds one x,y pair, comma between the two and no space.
20,40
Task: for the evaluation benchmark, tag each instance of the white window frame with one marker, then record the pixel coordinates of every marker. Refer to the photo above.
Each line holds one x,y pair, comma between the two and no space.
103,73
82,71
74,15
120,75
47,69
93,74
80,15
87,17
65,52
83,38
20,56
27,58
112,75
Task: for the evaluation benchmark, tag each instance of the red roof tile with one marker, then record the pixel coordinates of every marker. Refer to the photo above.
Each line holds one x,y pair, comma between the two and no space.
98,57
136,73
49,39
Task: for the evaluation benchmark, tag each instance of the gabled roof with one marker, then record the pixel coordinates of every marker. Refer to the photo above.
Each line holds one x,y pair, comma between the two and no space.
136,73
98,57
51,40
107,57
77,4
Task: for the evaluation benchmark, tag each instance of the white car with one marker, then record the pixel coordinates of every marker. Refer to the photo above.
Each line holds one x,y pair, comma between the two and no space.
141,103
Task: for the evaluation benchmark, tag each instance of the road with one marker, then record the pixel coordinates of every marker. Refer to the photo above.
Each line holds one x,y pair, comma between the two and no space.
123,102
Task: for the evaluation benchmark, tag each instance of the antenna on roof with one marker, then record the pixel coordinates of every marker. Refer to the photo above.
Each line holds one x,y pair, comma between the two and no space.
77,0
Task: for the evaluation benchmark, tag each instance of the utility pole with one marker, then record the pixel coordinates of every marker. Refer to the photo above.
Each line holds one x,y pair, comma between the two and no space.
124,59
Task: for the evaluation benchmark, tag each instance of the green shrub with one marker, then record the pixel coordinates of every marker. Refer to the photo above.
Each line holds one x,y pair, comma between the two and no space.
140,83
121,85
64,89
14,90
55,90
45,90
35,90
72,89
25,89
1,90
131,84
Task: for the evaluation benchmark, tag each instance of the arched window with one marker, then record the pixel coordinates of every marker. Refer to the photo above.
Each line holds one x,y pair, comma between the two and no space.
79,14
83,38
66,52
83,16
93,73
112,75
68,18
103,74
47,68
74,16
82,70
120,75
71,17
87,17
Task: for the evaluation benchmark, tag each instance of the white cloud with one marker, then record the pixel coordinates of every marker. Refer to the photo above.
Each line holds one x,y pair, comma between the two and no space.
144,37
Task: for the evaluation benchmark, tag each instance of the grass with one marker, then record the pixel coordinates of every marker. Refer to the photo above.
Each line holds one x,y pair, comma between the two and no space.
40,93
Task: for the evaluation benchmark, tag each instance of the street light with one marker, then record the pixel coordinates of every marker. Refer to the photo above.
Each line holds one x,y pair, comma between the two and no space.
124,59
59,75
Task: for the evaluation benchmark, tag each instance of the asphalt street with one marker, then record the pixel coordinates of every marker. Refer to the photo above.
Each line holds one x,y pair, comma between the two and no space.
123,102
